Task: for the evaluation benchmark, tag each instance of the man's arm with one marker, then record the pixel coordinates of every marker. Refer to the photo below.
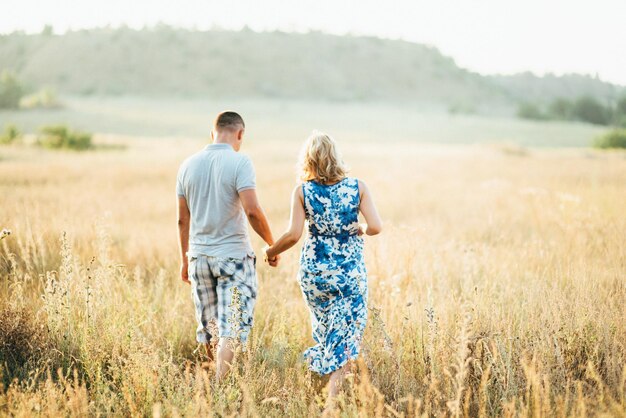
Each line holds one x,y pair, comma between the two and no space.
255,215
183,236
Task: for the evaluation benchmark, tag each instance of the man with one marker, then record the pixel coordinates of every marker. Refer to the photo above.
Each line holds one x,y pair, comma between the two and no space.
216,193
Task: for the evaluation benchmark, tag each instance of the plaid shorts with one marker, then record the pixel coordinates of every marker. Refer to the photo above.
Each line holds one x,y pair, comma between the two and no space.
224,293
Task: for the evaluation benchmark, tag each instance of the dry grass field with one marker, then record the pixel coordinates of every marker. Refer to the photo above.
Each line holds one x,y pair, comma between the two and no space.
497,288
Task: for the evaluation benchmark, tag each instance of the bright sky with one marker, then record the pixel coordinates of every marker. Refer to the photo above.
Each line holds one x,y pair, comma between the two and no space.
488,36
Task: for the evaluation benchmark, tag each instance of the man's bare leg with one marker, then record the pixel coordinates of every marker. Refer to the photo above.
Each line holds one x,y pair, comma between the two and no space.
225,356
209,364
210,350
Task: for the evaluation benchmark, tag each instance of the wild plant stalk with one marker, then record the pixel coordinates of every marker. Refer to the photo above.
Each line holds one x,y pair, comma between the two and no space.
4,233
461,363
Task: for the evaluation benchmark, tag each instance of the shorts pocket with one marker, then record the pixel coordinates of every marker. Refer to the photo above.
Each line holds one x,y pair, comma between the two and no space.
191,266
227,266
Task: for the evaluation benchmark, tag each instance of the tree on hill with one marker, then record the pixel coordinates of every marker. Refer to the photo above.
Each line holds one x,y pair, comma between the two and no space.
620,112
613,139
530,111
10,91
588,109
560,109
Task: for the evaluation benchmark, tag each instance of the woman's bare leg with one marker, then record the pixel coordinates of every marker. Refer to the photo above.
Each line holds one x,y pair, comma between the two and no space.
225,356
335,385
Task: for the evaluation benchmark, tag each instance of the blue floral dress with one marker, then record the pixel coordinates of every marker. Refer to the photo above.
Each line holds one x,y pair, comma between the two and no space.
332,273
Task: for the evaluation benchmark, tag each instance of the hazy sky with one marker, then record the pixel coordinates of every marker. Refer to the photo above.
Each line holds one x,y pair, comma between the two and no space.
488,36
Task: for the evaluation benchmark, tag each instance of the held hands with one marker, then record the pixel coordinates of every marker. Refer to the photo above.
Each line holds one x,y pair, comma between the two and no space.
272,261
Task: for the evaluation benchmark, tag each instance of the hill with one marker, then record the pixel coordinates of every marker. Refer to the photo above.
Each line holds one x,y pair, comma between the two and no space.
165,61
529,87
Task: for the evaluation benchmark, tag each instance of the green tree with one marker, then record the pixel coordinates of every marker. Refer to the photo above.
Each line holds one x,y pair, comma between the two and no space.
10,91
48,30
614,139
44,98
530,111
621,106
588,109
60,136
560,109
10,134
620,112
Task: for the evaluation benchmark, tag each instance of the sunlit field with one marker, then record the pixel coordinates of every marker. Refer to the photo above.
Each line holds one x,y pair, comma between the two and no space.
497,287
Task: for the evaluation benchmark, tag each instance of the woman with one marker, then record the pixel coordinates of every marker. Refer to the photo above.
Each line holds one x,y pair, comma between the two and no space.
332,270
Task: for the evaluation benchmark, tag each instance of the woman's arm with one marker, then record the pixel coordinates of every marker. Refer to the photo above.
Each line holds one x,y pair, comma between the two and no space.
369,211
296,225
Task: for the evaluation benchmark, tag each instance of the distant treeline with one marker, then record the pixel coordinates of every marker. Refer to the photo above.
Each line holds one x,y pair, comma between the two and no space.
166,61
584,109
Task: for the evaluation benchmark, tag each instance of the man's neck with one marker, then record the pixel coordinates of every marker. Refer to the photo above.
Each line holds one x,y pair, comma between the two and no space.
222,140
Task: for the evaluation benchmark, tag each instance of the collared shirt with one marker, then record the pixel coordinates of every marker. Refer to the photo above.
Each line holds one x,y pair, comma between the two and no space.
211,181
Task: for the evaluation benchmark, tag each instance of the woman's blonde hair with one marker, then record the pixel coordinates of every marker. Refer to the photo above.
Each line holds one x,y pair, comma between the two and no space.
320,160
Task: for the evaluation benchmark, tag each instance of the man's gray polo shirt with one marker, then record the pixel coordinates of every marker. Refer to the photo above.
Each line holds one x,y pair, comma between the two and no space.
210,181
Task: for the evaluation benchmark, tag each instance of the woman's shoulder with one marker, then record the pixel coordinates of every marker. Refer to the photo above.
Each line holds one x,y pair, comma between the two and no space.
297,190
362,187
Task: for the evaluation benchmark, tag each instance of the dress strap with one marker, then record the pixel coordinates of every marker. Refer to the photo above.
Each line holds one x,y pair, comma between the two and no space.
358,190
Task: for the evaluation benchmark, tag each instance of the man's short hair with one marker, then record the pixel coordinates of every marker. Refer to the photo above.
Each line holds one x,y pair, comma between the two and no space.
228,120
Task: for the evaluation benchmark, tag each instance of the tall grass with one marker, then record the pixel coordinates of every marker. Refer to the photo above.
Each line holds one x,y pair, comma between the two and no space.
497,288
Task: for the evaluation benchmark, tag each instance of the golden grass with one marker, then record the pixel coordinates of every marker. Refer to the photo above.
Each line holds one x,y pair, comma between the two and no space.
497,288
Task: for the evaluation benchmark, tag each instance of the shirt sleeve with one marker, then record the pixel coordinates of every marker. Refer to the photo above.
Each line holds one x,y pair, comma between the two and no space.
180,191
246,177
